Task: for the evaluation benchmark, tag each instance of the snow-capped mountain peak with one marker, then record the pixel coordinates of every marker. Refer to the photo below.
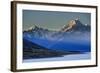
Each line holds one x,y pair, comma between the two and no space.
72,27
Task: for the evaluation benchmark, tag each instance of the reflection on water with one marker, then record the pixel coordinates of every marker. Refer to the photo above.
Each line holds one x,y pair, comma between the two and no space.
64,58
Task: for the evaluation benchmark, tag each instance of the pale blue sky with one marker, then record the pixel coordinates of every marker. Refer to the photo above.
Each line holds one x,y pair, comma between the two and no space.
52,19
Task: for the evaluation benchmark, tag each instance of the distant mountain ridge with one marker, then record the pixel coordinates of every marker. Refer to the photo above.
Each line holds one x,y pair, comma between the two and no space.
73,26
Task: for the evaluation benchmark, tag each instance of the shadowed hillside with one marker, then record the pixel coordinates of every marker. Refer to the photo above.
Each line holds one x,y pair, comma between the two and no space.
32,50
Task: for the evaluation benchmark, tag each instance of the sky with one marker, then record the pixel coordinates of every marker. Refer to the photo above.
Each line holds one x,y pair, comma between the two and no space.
52,20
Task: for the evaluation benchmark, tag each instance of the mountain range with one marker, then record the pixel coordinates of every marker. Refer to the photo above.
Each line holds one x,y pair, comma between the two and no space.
70,28
70,39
